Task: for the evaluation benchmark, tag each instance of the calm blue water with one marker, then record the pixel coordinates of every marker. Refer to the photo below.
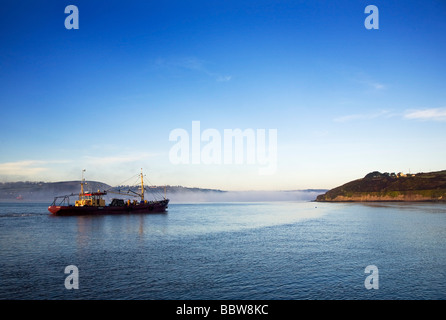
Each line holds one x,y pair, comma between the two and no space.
277,250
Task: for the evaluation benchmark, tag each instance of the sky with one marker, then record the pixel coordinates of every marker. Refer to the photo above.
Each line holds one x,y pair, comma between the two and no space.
333,99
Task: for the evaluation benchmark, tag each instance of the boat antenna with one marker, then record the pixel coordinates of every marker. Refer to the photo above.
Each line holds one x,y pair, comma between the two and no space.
142,187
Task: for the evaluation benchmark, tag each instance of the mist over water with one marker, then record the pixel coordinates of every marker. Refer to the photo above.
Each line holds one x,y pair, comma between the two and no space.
242,196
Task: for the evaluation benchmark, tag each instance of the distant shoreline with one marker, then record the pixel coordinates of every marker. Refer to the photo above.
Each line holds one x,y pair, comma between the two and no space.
46,191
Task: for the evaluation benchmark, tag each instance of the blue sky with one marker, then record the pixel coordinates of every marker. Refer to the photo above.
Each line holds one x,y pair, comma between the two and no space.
344,100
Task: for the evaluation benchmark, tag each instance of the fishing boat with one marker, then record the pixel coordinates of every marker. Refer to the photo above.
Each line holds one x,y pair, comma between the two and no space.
92,203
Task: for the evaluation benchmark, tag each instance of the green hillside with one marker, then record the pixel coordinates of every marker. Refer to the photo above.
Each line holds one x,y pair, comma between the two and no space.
376,186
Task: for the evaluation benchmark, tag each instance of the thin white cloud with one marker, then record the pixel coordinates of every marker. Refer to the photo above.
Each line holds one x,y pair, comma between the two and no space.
368,82
192,64
434,114
22,168
119,159
57,169
429,114
377,85
364,116
26,168
373,85
224,78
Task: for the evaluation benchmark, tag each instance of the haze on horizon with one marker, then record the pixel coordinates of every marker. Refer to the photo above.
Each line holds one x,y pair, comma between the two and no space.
344,100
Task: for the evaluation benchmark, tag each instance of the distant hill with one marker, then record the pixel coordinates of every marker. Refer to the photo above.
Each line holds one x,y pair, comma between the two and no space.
46,191
377,186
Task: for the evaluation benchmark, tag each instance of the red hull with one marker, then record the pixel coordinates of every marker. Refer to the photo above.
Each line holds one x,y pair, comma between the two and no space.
150,207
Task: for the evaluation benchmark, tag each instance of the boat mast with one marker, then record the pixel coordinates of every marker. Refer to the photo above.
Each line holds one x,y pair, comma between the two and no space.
142,187
82,182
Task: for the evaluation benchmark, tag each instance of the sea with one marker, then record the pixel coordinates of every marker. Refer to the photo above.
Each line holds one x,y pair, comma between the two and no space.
281,250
